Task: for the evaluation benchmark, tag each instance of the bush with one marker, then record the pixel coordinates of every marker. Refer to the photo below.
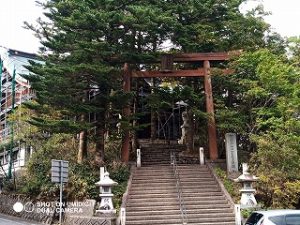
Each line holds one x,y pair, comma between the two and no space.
231,186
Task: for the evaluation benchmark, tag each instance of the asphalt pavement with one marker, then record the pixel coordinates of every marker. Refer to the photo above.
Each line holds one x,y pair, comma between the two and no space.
10,220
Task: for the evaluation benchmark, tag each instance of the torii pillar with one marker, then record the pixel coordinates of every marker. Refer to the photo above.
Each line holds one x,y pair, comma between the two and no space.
212,131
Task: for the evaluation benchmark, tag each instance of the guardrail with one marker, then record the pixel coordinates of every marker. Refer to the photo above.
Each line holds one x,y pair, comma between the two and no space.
179,190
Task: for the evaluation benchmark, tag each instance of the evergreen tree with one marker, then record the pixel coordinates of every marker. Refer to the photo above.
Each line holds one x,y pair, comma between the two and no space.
86,43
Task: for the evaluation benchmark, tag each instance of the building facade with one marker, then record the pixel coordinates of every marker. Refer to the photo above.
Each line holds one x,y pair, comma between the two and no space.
13,60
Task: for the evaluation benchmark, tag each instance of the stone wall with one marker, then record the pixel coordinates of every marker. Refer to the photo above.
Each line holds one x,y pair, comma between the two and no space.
28,212
82,213
86,220
74,213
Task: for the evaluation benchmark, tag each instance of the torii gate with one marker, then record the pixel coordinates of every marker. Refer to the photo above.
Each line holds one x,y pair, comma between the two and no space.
167,61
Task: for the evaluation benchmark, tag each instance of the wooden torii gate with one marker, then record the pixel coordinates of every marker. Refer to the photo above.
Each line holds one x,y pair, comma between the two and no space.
167,61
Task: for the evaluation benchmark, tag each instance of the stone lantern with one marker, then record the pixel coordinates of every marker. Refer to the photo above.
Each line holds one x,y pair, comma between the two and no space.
247,198
106,184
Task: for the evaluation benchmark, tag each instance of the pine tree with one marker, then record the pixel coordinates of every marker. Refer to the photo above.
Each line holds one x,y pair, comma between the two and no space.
85,44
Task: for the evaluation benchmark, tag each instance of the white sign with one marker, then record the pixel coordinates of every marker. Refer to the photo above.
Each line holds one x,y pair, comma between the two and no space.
231,152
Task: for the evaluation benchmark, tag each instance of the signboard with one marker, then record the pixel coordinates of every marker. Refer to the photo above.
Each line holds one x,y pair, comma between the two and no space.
59,174
231,152
59,171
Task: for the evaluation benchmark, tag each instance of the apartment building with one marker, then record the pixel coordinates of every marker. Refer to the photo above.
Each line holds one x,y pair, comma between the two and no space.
13,60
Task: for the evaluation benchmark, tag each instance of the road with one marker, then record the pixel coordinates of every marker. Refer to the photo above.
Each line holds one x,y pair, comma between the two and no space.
10,220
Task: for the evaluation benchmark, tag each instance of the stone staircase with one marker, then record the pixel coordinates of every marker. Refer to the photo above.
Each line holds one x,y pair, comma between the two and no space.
153,197
158,153
205,201
153,194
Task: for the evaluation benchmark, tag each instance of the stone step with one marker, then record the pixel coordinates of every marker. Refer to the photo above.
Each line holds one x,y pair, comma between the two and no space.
200,185
209,223
155,168
187,193
168,220
170,172
180,223
173,191
147,209
188,181
145,176
176,216
175,206
163,146
187,199
154,179
155,163
197,189
193,170
132,203
198,212
190,217
189,204
211,218
151,176
155,155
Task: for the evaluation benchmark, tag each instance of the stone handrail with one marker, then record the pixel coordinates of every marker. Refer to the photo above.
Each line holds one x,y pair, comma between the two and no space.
121,220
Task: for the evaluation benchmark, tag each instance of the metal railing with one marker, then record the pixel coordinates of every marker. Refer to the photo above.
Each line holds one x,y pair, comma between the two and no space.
179,189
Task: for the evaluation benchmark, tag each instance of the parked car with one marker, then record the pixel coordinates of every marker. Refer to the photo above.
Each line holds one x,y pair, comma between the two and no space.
274,217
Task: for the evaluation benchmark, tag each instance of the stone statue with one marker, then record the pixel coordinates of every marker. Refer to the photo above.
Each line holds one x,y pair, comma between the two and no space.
184,127
187,131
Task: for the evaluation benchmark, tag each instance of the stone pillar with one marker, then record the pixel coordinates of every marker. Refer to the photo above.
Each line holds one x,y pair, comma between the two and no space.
231,153
138,158
237,212
201,156
212,131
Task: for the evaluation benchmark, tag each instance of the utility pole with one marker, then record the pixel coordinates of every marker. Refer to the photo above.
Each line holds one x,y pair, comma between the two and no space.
13,87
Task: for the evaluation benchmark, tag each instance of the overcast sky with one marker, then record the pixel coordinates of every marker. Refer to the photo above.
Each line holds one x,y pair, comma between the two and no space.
284,20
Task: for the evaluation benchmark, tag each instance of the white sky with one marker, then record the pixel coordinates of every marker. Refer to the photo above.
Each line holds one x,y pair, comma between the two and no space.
284,20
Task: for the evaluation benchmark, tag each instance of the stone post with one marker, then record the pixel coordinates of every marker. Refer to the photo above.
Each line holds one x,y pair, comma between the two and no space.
231,153
138,158
237,212
201,155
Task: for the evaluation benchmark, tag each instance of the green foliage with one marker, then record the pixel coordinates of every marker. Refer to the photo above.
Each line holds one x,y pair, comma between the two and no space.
245,213
267,97
82,177
231,186
119,172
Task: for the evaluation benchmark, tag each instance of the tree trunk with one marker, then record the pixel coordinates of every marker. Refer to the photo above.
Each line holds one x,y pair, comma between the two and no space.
154,115
134,144
99,154
82,149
